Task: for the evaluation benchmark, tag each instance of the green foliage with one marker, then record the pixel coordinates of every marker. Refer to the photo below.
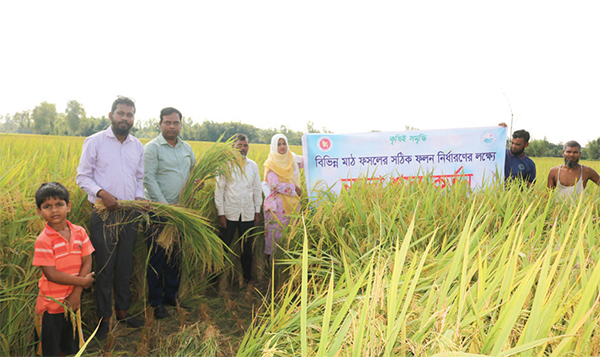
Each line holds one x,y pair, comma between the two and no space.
75,115
407,270
212,131
44,118
538,148
18,123
592,150
148,129
74,122
397,270
46,121
543,148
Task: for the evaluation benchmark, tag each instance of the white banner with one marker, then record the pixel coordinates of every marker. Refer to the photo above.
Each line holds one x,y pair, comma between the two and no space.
336,161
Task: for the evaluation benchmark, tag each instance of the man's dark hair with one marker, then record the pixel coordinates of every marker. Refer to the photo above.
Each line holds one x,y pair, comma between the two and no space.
572,144
521,134
169,111
51,190
242,137
122,100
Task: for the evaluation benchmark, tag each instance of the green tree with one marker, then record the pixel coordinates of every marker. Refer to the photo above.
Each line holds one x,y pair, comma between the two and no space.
267,134
209,131
75,115
8,124
99,124
44,117
147,129
294,137
24,122
538,148
555,150
593,149
60,125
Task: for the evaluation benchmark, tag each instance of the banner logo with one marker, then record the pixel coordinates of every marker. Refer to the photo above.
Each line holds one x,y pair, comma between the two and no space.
488,138
325,144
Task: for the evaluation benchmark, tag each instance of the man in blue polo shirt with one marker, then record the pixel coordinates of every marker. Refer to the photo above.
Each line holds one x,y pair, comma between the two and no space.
517,165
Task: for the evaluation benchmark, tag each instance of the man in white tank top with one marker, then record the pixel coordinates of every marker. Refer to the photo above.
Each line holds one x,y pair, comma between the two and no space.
571,178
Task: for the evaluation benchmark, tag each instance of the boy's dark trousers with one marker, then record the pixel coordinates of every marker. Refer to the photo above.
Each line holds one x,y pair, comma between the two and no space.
242,228
163,273
57,335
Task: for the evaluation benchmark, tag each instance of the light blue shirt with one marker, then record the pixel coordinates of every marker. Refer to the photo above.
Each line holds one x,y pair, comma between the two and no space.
166,169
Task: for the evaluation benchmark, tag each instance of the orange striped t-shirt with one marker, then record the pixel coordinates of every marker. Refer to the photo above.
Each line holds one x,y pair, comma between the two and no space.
52,249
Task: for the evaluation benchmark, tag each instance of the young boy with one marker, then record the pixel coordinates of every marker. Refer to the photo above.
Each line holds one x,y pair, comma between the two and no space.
63,251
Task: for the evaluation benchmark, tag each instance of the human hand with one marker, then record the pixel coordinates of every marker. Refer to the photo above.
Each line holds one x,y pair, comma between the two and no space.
198,184
73,301
256,219
88,280
145,207
108,200
298,190
503,124
222,222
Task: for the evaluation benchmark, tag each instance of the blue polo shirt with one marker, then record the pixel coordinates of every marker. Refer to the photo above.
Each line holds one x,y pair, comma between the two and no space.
518,167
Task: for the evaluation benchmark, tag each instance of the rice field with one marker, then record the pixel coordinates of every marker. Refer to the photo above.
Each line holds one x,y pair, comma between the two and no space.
378,271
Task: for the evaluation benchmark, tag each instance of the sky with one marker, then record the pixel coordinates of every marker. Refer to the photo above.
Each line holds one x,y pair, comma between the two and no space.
346,66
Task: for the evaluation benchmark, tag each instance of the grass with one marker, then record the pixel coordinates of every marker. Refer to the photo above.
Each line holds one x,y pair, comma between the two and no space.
398,270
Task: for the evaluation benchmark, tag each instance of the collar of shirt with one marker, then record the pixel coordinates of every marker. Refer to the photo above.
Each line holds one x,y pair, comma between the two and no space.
51,232
162,141
110,133
513,155
238,170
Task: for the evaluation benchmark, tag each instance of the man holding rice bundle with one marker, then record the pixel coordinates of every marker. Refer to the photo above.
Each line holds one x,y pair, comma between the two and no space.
111,169
168,161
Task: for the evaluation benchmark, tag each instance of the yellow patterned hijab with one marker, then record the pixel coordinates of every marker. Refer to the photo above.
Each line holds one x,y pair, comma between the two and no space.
287,170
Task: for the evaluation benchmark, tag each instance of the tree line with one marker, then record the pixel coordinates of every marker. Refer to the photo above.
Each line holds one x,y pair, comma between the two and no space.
544,148
45,120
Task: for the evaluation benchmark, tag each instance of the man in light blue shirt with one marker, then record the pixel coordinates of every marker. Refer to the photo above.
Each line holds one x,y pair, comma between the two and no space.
168,161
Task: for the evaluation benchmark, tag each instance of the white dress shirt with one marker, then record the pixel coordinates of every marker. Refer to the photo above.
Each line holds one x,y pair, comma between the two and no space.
241,195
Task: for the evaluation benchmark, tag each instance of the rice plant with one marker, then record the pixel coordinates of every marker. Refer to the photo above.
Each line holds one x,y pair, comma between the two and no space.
376,271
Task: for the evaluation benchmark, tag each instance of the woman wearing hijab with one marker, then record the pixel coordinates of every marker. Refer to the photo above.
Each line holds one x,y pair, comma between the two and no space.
282,190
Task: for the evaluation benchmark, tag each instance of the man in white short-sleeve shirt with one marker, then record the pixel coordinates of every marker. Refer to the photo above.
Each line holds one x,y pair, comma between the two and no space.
238,201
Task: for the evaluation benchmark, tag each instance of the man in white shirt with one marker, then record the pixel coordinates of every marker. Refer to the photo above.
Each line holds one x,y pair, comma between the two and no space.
238,201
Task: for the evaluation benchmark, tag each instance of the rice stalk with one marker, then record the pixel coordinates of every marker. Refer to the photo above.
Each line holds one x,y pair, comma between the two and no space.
218,160
200,246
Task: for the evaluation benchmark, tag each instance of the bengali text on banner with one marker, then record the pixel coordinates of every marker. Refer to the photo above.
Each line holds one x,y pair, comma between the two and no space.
472,155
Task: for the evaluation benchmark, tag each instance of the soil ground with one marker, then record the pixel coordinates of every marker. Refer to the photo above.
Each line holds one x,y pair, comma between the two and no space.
222,312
